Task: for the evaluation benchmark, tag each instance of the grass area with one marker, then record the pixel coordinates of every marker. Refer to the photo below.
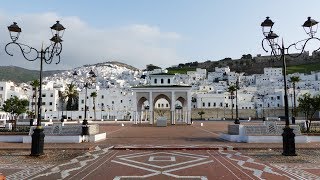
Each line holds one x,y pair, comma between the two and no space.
305,68
180,70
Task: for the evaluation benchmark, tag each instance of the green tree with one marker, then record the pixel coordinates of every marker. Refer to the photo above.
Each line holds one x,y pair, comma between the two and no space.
231,90
15,107
294,80
72,97
94,95
201,113
35,85
309,105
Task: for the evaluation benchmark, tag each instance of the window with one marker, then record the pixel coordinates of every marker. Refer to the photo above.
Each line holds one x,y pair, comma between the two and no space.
203,104
50,103
161,81
43,95
214,104
209,104
1,88
155,81
102,96
168,81
51,95
43,103
82,101
158,105
278,97
167,105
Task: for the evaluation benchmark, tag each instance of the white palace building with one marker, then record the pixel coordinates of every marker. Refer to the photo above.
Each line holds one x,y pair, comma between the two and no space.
160,96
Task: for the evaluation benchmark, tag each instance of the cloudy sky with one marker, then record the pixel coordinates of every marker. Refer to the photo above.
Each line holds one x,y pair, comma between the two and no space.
159,32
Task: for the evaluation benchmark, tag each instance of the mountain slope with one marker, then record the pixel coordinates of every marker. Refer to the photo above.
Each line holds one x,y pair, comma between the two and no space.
19,75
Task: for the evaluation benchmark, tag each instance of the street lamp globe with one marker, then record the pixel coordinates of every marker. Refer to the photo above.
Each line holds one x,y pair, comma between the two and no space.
14,31
57,29
310,27
267,26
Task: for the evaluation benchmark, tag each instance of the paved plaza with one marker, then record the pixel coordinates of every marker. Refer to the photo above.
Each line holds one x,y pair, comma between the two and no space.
149,152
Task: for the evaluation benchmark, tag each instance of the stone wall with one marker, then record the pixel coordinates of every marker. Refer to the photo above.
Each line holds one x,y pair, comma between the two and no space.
59,129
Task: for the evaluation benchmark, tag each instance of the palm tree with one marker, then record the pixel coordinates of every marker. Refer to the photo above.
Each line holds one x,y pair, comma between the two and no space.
294,80
72,96
231,90
35,85
201,113
94,95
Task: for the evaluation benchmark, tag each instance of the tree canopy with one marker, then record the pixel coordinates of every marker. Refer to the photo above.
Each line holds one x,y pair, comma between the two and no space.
15,106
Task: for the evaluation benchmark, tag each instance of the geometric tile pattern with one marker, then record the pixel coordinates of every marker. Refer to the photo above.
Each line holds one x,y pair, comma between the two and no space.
246,162
64,170
174,161
24,171
299,171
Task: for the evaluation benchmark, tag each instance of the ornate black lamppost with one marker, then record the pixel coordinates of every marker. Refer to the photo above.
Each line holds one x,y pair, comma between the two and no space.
46,54
89,81
279,52
237,121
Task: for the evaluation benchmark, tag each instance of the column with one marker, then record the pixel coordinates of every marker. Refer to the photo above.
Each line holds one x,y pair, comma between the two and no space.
189,107
146,116
150,108
173,101
135,108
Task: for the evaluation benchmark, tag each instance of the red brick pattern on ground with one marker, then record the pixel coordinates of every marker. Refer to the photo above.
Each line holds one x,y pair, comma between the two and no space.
127,164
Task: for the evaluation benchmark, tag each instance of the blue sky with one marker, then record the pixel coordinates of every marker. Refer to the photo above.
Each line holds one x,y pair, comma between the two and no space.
140,32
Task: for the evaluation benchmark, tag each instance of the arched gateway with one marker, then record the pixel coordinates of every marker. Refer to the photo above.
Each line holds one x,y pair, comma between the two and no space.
161,88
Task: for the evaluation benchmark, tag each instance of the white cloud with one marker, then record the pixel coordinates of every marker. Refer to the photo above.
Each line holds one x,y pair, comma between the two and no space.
135,44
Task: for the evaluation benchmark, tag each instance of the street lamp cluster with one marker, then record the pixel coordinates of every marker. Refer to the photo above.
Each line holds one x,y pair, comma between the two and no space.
279,52
88,81
45,55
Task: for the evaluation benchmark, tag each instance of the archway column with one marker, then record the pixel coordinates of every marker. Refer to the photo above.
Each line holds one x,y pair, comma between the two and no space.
151,120
189,107
173,117
135,108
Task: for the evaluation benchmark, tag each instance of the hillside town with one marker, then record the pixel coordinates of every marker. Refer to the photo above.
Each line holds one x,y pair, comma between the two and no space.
257,96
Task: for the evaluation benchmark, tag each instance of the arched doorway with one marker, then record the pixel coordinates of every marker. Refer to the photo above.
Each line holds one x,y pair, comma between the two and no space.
173,96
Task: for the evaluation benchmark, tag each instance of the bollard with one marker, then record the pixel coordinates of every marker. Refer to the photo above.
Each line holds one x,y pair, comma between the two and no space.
122,124
201,124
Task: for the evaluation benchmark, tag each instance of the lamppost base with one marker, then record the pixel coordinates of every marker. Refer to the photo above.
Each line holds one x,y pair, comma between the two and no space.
237,121
289,148
37,142
85,127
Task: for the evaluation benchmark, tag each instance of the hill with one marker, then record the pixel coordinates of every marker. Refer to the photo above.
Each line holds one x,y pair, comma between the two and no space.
19,75
254,65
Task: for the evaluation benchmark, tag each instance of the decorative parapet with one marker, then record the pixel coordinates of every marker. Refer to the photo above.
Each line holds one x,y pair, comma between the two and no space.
267,129
67,130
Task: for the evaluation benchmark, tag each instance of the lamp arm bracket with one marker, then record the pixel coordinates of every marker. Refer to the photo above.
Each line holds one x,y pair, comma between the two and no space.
274,48
300,45
262,44
51,51
25,50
